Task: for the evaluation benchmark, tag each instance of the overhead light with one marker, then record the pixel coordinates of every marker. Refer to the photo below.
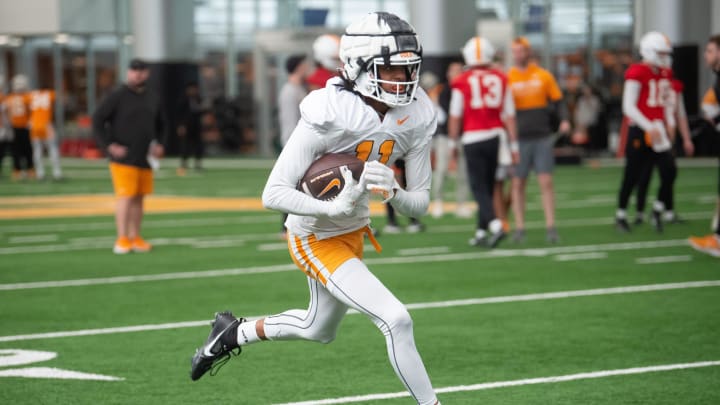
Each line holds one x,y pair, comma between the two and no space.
62,38
15,41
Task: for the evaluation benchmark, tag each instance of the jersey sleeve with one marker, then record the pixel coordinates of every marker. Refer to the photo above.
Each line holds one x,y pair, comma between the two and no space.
637,73
457,103
305,145
508,104
553,90
316,112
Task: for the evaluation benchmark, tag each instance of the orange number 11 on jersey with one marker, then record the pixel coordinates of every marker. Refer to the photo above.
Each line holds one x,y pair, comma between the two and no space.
364,149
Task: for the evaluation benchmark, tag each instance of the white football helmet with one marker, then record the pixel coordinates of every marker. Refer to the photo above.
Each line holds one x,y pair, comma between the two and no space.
19,83
655,49
478,51
384,39
325,51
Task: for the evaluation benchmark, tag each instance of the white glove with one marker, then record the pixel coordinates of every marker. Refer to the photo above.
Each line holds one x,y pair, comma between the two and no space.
380,179
344,204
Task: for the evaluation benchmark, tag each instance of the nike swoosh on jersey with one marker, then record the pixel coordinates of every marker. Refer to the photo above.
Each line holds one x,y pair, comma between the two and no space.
402,120
333,183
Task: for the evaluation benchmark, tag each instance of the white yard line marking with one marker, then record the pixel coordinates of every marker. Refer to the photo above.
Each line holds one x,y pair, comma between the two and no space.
99,243
413,306
271,247
498,253
424,251
149,277
155,223
213,244
663,259
567,223
33,238
580,256
516,383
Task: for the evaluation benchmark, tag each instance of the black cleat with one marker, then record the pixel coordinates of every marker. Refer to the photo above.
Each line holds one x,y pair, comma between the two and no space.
218,347
657,221
638,221
621,224
475,241
495,239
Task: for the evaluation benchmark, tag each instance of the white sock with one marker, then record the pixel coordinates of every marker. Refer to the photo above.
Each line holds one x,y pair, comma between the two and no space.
669,215
54,154
620,214
658,206
495,226
246,333
480,234
37,148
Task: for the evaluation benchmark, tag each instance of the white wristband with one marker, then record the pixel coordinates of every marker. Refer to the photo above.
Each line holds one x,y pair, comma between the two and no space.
514,147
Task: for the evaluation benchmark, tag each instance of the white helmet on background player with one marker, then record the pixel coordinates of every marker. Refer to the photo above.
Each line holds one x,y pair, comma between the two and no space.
478,51
325,51
655,49
20,83
381,38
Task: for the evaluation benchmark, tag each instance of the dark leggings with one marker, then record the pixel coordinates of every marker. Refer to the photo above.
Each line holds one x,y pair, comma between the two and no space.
482,159
639,162
665,161
22,150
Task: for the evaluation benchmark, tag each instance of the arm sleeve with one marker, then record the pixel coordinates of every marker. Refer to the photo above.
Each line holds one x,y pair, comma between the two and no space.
457,103
413,202
631,93
280,192
101,119
509,104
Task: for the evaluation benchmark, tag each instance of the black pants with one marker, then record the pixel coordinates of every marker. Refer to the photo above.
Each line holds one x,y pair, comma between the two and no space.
4,146
482,160
22,150
665,162
192,145
639,162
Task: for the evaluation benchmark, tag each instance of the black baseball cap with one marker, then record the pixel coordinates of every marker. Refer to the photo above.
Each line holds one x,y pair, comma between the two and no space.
138,64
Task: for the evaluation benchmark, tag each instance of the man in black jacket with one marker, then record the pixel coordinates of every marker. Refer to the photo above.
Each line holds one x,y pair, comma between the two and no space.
125,125
710,244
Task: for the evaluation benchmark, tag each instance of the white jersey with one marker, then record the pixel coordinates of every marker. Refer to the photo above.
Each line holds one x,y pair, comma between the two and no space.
335,120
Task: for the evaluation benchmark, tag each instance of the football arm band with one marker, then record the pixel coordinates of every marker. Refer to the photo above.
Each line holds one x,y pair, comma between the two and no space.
411,204
413,201
631,93
280,191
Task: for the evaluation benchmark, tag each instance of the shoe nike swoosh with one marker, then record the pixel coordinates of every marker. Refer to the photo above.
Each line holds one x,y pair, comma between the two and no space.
206,350
333,183
402,120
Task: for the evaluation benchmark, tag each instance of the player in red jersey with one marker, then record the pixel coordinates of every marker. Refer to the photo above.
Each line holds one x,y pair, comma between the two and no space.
676,106
327,62
482,105
647,89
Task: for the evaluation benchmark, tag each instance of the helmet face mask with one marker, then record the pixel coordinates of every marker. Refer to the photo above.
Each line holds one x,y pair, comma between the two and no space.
382,40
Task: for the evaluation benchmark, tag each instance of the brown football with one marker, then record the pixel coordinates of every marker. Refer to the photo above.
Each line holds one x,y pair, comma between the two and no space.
323,179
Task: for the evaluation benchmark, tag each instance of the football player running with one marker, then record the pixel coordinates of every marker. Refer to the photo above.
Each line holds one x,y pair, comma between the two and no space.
375,111
481,106
647,89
